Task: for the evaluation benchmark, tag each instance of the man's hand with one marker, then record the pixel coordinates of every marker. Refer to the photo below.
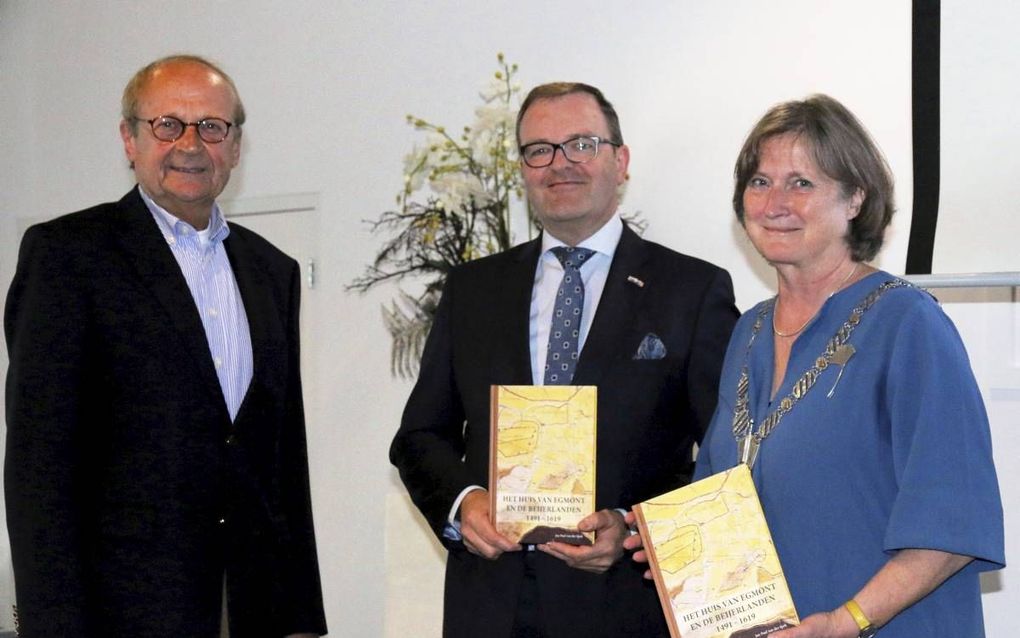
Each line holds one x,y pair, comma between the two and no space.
635,542
480,536
610,531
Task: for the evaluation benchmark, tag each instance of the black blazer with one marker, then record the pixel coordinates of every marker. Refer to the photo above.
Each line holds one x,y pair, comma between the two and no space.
129,491
650,412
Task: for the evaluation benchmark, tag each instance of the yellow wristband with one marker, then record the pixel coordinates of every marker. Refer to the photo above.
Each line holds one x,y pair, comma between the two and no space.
859,617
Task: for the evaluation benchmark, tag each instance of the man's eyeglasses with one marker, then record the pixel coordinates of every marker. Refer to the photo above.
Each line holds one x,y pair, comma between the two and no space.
577,150
167,128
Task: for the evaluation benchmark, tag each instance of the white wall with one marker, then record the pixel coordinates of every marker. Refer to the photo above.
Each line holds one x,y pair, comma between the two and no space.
327,84
978,181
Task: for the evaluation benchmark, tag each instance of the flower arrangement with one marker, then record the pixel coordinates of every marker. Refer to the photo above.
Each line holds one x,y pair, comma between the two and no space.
455,206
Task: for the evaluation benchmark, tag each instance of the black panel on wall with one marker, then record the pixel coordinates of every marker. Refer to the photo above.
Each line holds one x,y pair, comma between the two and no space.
925,112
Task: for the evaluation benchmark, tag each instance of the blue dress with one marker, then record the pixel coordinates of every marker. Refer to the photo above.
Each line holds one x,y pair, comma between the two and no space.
899,457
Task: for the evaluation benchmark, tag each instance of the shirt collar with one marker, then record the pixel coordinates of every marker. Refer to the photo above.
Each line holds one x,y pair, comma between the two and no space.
173,227
603,241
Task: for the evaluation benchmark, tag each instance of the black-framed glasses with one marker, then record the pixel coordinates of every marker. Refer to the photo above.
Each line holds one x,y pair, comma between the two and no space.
578,150
167,128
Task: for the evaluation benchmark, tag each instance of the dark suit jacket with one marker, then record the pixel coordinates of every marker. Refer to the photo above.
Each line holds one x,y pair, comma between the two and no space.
650,412
129,491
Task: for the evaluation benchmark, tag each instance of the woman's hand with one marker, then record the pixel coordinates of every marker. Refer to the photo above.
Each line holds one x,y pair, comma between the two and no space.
634,542
830,624
908,576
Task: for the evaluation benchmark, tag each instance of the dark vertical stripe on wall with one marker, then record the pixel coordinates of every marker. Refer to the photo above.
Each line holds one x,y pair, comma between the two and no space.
925,69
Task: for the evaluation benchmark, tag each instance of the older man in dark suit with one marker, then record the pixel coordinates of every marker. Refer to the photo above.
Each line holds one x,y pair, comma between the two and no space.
652,335
156,464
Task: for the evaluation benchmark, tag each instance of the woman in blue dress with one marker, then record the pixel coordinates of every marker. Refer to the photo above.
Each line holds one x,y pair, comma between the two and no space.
851,396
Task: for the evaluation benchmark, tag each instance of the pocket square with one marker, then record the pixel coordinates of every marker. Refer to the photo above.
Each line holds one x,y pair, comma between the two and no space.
651,348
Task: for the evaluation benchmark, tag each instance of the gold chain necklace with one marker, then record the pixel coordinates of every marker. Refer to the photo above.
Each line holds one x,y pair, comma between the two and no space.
748,438
796,332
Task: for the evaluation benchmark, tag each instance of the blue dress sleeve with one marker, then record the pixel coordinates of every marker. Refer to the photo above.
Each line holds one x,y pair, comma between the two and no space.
948,496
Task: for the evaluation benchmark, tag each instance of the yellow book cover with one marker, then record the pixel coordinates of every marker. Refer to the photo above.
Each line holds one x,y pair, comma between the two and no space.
711,554
542,462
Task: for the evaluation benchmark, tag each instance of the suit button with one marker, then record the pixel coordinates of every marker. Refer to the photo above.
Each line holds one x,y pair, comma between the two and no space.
231,439
222,521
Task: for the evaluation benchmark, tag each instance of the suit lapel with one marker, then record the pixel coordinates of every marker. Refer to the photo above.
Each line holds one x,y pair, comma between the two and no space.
617,308
140,239
514,315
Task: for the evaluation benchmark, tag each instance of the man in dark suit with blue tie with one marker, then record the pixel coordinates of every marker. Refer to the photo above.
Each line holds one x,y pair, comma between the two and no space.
653,330
156,464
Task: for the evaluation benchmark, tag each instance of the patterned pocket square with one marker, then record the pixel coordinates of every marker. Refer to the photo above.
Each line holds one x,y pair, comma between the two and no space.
651,348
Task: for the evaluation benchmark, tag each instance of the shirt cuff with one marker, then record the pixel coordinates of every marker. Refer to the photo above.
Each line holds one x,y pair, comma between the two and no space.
452,529
454,515
623,512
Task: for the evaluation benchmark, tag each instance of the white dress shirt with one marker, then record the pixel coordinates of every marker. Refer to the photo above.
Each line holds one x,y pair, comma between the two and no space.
206,269
548,275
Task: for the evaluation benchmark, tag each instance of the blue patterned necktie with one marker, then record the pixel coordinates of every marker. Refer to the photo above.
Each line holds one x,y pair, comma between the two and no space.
561,355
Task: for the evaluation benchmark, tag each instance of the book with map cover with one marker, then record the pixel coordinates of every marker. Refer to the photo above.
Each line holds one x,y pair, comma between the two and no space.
711,554
542,462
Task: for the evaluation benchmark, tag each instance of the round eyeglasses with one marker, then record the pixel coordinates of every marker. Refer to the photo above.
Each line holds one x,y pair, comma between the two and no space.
578,150
167,128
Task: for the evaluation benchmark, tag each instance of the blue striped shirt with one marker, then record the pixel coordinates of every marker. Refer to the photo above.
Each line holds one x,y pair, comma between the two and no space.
204,264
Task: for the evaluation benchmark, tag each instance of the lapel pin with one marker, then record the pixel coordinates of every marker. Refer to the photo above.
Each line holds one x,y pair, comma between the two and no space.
634,280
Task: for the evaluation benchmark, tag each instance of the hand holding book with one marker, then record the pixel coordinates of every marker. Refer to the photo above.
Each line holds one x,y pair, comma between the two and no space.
480,536
634,543
610,533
